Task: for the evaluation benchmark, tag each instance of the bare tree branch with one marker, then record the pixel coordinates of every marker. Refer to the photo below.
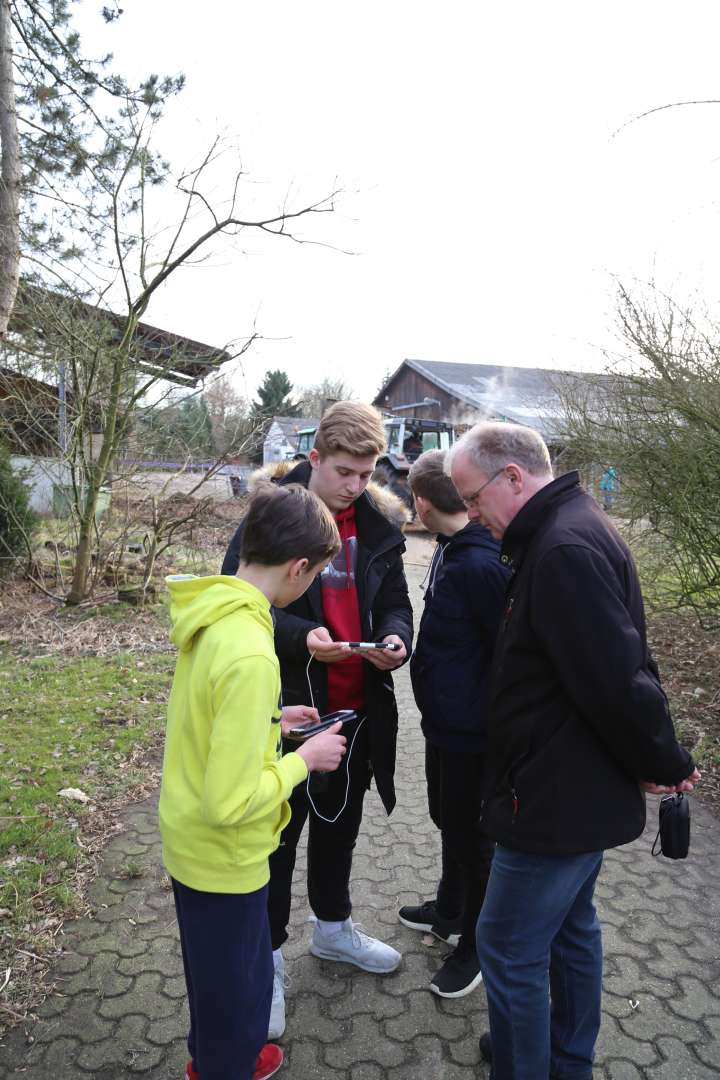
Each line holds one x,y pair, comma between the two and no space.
662,108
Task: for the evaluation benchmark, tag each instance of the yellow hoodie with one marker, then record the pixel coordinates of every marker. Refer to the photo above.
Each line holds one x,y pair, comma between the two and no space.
223,799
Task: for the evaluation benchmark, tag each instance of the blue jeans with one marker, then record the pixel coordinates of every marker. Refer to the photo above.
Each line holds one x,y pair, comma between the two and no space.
539,942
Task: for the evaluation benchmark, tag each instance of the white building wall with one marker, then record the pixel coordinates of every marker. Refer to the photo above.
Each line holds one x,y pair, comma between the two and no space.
41,475
276,447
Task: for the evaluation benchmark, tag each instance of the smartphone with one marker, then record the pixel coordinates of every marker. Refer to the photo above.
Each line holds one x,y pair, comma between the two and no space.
362,646
341,716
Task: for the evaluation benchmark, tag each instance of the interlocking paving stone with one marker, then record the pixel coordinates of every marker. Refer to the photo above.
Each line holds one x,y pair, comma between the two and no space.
120,1009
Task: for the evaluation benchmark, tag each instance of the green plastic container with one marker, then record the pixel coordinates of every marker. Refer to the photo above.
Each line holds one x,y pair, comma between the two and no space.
63,501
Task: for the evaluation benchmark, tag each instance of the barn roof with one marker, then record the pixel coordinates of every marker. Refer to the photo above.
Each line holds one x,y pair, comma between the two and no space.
523,395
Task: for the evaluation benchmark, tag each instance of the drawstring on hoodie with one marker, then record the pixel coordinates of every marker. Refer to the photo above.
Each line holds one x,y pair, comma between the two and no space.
435,566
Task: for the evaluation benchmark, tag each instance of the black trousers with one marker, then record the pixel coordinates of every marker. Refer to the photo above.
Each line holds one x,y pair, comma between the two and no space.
330,843
455,792
229,977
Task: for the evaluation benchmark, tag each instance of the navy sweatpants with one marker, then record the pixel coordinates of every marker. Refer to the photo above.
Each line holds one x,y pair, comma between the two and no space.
225,940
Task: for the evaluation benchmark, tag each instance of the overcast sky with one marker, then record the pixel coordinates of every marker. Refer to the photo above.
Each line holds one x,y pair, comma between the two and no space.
487,201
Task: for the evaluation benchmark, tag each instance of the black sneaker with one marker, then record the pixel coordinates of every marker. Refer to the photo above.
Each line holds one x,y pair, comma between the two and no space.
486,1047
458,976
425,917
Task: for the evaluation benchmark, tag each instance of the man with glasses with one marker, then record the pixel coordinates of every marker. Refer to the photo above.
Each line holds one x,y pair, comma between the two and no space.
578,726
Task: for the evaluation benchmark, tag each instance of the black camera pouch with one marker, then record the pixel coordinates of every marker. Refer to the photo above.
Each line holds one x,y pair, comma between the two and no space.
673,833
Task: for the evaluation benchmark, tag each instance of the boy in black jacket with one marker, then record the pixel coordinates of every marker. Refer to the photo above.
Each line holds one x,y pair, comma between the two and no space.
361,596
578,727
449,669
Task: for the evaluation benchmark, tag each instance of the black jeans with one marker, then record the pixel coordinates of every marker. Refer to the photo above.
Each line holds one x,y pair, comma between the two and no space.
455,791
330,846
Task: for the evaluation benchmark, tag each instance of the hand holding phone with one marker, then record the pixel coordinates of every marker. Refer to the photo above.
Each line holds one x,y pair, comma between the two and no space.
387,654
324,752
368,646
296,716
341,716
322,647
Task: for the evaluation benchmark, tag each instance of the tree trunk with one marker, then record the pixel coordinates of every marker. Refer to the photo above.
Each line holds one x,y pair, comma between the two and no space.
98,472
9,176
83,559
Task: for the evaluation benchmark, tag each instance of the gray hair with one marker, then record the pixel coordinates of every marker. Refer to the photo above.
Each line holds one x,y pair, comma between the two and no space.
491,445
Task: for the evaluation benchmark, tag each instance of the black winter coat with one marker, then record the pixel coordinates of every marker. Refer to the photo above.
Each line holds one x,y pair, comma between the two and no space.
384,609
450,667
577,713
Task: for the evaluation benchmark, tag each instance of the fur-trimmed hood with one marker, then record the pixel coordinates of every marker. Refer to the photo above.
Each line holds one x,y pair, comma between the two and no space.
390,505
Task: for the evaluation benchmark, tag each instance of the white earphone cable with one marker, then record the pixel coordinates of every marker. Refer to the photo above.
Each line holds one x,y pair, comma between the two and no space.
330,821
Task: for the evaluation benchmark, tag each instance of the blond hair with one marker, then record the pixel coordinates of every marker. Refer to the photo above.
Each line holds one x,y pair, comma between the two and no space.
351,427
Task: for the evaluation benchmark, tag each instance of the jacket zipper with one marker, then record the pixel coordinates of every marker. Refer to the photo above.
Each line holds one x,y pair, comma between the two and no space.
511,774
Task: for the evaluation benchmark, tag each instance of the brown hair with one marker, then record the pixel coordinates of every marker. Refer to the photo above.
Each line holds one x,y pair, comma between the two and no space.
285,523
353,428
428,479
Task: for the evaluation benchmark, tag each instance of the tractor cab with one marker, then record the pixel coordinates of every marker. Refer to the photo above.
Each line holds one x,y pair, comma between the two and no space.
408,438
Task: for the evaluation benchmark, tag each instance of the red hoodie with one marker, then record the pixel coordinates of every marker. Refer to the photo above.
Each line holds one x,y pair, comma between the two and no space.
342,616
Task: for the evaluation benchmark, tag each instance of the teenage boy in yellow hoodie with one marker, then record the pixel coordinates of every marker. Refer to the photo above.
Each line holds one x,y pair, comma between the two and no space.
225,786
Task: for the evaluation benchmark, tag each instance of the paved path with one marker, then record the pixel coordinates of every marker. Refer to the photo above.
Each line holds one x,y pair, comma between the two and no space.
120,1008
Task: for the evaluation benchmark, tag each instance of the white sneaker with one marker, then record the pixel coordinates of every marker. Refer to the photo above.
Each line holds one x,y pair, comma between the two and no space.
277,1009
352,947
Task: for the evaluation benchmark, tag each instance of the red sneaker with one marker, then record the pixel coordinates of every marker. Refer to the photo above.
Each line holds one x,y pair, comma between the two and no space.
268,1062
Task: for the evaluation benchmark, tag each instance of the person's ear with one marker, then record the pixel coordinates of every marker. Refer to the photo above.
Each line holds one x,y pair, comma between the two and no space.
314,458
298,567
421,504
515,476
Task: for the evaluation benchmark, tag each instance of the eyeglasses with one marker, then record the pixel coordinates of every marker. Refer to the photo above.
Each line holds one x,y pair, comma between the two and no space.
471,500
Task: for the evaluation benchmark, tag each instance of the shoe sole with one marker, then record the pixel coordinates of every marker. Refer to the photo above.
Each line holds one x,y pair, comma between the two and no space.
276,1069
266,1076
342,958
458,993
427,928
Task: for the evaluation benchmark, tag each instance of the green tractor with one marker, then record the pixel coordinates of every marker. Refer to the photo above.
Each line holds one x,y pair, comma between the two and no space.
407,438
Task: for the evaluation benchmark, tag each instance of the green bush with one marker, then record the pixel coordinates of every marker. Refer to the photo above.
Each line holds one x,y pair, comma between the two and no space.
17,521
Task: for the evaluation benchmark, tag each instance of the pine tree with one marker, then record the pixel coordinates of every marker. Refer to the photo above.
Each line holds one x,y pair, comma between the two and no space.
17,520
66,123
274,395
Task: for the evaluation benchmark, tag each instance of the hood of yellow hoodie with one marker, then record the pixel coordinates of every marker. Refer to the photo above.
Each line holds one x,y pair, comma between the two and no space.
197,602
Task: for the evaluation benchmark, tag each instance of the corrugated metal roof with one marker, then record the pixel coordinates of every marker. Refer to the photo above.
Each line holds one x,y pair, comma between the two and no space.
291,425
523,395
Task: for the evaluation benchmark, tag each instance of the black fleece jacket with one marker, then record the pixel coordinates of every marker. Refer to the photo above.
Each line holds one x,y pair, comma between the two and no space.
464,602
384,609
577,713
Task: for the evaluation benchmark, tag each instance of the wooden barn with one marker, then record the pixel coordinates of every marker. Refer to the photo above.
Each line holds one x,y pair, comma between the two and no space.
462,394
